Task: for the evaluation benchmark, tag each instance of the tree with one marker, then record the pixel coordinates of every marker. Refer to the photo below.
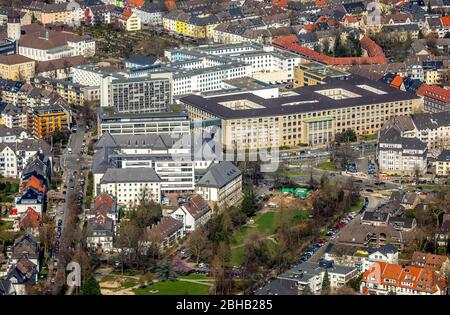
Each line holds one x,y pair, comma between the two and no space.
307,290
256,254
199,244
146,279
326,283
91,287
249,202
164,270
429,7
146,213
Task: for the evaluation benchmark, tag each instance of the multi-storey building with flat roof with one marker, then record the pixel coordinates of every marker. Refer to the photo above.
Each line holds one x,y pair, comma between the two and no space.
313,73
45,120
172,159
171,122
311,115
136,95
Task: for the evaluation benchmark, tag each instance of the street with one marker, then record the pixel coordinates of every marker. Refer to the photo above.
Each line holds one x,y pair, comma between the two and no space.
71,165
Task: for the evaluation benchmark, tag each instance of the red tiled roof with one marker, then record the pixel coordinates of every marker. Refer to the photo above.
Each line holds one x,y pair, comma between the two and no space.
375,52
135,3
33,182
445,20
409,277
321,3
31,219
434,92
350,19
397,82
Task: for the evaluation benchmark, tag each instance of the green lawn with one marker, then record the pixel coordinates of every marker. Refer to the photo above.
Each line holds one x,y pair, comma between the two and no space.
173,288
357,206
369,137
195,276
329,166
444,188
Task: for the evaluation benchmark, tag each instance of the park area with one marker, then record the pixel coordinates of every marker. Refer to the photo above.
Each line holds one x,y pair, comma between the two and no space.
267,221
131,284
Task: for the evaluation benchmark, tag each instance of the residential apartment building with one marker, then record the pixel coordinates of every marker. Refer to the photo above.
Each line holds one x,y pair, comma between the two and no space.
435,99
14,155
45,120
221,185
14,117
129,21
383,278
190,25
151,13
400,155
175,122
311,115
430,128
130,186
442,164
16,67
312,274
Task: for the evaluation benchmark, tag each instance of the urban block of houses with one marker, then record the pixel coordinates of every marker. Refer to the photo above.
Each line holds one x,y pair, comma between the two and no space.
165,234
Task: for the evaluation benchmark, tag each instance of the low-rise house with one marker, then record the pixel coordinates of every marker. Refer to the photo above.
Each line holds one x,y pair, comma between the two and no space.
13,134
7,288
435,98
430,261
166,233
360,257
382,278
100,233
23,274
28,247
443,234
194,213
105,205
221,185
30,222
31,198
